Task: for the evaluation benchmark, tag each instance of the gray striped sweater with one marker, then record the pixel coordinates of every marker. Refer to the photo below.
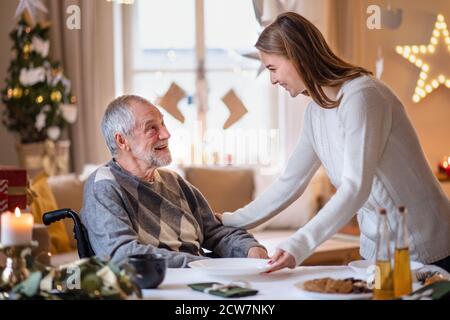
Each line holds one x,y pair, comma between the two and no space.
125,215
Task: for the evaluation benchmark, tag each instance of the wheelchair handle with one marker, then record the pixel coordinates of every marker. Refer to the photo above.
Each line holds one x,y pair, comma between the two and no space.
83,246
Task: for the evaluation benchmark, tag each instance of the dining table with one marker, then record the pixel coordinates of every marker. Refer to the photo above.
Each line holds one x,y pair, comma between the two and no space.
280,285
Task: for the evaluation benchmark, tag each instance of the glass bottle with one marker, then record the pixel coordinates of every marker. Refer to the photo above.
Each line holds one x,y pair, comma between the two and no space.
402,268
384,286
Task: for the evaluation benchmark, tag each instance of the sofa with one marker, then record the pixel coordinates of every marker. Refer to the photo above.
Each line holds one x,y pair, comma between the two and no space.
226,189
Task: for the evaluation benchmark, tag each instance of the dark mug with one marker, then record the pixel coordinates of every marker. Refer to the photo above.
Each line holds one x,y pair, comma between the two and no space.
150,269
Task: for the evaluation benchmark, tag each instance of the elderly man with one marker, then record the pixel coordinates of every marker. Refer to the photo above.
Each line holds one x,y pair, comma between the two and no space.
132,206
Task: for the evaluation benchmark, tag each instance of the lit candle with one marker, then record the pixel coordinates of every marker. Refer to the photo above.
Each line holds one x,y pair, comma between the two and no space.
17,228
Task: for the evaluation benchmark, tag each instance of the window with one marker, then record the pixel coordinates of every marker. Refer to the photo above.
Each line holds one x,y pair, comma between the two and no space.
166,39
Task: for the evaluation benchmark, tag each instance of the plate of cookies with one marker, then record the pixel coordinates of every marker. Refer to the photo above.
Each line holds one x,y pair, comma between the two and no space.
335,289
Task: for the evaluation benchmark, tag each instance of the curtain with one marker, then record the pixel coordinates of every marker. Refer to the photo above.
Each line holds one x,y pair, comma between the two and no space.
87,56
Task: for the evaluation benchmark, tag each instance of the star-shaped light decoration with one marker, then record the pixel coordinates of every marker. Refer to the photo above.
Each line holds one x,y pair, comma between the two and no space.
432,59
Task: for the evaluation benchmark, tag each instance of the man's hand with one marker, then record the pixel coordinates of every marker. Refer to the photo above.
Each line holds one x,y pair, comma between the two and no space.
280,260
257,252
218,215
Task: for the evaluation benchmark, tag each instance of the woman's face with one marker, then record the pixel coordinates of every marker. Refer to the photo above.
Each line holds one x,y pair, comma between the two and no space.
283,72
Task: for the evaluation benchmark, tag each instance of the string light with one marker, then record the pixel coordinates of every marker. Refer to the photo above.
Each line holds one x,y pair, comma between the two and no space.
424,85
39,99
17,92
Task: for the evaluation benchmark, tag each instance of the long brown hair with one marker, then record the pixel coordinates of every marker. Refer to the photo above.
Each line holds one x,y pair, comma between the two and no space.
297,39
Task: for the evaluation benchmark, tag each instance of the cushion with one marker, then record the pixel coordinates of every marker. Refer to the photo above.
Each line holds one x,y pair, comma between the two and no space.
316,194
226,189
68,192
43,202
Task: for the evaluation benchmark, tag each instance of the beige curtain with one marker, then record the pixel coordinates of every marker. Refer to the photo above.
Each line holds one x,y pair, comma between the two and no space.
345,28
87,56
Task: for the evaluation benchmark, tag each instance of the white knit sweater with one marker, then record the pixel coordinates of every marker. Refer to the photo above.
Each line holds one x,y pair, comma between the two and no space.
372,156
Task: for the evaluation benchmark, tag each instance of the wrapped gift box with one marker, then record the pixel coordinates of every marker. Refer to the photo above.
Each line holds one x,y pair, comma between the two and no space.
13,187
3,195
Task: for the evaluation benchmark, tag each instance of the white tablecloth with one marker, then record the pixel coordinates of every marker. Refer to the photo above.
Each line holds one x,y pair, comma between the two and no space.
279,285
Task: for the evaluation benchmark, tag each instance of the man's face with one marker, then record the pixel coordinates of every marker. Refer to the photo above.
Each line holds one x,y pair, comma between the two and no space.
149,140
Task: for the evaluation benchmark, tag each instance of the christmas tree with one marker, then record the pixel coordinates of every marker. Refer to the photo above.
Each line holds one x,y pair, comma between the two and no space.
38,99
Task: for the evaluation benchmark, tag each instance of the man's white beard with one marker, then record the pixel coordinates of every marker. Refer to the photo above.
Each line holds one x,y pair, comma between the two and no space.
152,159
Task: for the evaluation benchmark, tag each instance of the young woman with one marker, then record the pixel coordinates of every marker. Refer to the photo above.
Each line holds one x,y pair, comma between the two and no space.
357,128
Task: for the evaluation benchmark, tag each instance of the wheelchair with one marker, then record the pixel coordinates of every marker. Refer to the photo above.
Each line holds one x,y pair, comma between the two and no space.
79,230
80,233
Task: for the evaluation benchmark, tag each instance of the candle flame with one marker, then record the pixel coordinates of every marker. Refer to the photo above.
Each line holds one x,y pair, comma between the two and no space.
17,212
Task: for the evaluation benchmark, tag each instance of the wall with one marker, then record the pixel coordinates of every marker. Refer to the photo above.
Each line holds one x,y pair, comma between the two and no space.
7,23
343,23
430,116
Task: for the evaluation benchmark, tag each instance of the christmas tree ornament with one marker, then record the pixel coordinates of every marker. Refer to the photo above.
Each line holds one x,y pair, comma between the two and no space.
29,9
51,73
73,99
67,84
17,92
19,31
45,24
53,132
40,46
26,50
391,19
9,93
236,107
39,99
432,59
55,76
55,96
69,112
40,121
169,101
29,77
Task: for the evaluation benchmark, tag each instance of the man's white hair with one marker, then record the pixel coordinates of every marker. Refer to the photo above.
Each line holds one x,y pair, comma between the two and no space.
119,118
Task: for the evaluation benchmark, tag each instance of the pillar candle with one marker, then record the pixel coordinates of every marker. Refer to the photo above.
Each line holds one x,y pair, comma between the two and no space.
17,228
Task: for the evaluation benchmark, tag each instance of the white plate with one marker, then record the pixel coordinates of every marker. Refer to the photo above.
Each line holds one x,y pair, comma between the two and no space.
332,296
360,266
231,266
